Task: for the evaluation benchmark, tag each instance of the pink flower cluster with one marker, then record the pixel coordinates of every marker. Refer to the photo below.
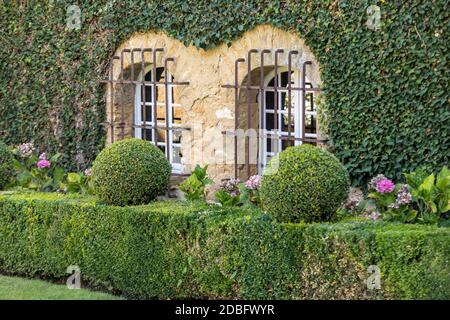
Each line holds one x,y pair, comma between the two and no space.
403,197
375,216
43,162
231,186
381,184
25,150
253,183
385,186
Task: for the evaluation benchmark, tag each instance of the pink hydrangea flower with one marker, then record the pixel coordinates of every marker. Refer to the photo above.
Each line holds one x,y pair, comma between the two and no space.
43,164
375,216
25,150
253,183
385,186
87,172
403,197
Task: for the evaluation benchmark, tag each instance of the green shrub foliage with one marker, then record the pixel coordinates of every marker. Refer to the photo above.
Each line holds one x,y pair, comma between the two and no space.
304,183
193,250
386,90
6,165
130,172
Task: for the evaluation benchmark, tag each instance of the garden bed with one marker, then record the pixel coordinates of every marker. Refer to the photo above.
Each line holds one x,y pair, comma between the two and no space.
174,249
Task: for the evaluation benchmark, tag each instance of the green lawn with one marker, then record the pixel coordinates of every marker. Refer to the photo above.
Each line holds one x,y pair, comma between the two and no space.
14,288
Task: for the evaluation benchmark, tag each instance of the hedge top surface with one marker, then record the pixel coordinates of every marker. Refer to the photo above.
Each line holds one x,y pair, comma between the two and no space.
304,183
130,172
52,198
200,209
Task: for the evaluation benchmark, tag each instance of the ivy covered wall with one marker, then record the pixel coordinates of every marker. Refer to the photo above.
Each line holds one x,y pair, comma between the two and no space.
386,90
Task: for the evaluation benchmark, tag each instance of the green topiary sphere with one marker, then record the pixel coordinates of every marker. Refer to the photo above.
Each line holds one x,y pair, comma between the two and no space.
130,172
6,165
304,183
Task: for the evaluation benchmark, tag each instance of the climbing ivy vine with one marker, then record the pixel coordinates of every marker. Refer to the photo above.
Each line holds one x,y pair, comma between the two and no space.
386,88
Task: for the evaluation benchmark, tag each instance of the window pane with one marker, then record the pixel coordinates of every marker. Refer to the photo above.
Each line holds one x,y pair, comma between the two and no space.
269,100
159,73
272,144
310,124
269,145
269,121
284,101
148,113
147,134
161,134
148,93
309,102
176,136
176,156
285,122
284,79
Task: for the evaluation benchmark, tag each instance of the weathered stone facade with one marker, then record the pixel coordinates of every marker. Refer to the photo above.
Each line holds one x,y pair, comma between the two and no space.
208,109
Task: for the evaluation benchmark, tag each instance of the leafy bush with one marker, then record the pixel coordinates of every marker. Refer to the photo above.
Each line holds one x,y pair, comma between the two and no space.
430,194
175,249
424,198
37,171
304,183
130,172
78,182
6,165
391,202
229,193
250,192
194,186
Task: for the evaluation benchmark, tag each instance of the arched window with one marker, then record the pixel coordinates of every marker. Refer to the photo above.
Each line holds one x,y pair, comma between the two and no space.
149,97
276,114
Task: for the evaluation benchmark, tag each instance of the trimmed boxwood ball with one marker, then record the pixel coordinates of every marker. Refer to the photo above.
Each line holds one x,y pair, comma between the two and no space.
130,172
304,183
6,165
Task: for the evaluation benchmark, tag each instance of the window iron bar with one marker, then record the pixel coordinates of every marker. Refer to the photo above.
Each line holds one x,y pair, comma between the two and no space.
113,83
304,88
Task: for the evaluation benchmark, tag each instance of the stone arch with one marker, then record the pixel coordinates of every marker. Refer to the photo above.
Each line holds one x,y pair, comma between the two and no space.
207,107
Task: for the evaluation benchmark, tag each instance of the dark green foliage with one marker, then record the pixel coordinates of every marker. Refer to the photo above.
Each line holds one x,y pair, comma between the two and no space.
6,165
130,172
77,182
386,91
194,250
194,186
431,195
304,183
30,176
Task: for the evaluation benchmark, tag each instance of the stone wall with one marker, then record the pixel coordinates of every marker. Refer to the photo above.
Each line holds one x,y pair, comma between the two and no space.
208,109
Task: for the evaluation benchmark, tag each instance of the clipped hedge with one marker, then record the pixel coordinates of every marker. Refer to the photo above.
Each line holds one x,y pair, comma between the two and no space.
386,90
130,172
193,250
304,183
